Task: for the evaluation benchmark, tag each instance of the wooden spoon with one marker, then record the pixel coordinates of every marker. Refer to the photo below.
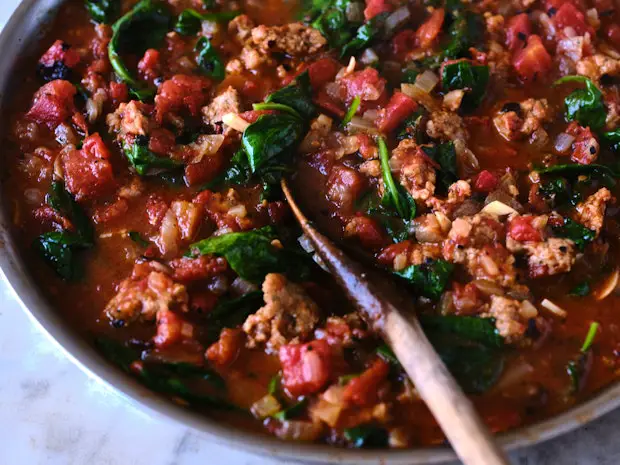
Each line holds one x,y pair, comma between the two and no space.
390,312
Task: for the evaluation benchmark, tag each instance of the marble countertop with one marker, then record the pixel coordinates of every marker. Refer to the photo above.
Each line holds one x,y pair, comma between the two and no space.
52,413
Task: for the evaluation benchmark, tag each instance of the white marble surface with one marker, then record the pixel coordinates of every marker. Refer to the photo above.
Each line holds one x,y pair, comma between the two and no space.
52,413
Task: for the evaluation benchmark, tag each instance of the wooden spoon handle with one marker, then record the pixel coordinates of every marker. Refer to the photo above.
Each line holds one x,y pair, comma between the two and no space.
384,306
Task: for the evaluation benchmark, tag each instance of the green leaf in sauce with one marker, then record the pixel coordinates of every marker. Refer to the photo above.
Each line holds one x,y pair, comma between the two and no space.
445,156
355,104
465,31
364,35
208,59
333,22
138,239
395,197
230,312
62,201
576,232
578,367
190,21
366,436
412,127
471,78
291,412
252,254
560,192
297,95
144,161
480,330
581,289
428,279
59,250
144,27
584,105
103,11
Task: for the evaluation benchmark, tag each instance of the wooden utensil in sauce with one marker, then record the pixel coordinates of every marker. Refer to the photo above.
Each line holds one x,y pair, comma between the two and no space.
390,312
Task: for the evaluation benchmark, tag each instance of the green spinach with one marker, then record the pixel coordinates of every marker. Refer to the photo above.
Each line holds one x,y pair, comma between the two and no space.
103,11
59,249
146,162
367,436
252,255
293,411
209,60
480,330
355,104
144,27
577,367
472,78
445,156
62,201
584,105
395,198
189,21
581,289
333,24
138,239
428,279
364,36
576,232
297,95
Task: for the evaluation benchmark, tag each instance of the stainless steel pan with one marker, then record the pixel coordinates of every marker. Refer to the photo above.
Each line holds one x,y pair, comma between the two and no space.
21,34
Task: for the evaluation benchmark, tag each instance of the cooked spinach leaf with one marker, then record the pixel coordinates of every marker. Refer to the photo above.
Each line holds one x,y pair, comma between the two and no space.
560,192
471,78
445,156
232,311
577,367
395,198
576,232
355,104
412,127
364,35
252,255
581,289
269,137
103,11
146,162
297,95
584,105
333,23
190,21
138,239
293,411
144,27
59,250
366,436
613,139
606,174
62,201
481,330
209,60
428,279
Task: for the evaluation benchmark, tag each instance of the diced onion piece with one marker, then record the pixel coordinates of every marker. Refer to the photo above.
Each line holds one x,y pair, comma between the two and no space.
446,303
398,438
239,211
327,412
334,394
514,375
444,222
498,208
466,159
355,12
294,430
528,311
488,287
452,100
205,146
563,142
426,81
265,407
368,57
569,32
607,49
553,308
609,285
235,121
361,124
371,115
420,96
396,19
351,66
490,267
593,19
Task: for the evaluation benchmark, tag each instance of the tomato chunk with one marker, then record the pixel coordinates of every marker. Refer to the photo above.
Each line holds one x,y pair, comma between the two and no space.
403,43
88,172
521,229
585,146
150,66
53,103
399,107
375,7
485,181
306,368
196,269
367,230
57,62
227,348
171,329
367,84
518,30
569,15
429,31
344,186
323,71
182,92
533,60
362,390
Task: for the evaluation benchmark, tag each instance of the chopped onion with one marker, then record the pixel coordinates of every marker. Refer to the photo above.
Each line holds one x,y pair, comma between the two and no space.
368,57
444,222
205,146
355,12
593,18
326,412
351,66
528,311
426,81
569,32
265,407
396,19
553,308
452,100
361,124
547,24
488,287
466,159
498,208
299,430
514,375
241,287
235,121
609,285
490,267
417,94
609,50
371,115
446,303
563,142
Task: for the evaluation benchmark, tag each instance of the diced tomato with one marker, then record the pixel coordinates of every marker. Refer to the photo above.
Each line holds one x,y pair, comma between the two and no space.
363,390
196,269
50,216
368,148
399,107
325,102
253,115
375,7
205,170
251,89
60,51
521,229
110,212
181,92
518,30
570,16
485,182
119,92
53,103
552,6
171,329
533,60
388,254
156,208
467,298
612,32
344,185
368,231
323,71
227,348
202,301
150,66
161,141
429,31
321,161
585,146
367,84
403,43
306,368
88,172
